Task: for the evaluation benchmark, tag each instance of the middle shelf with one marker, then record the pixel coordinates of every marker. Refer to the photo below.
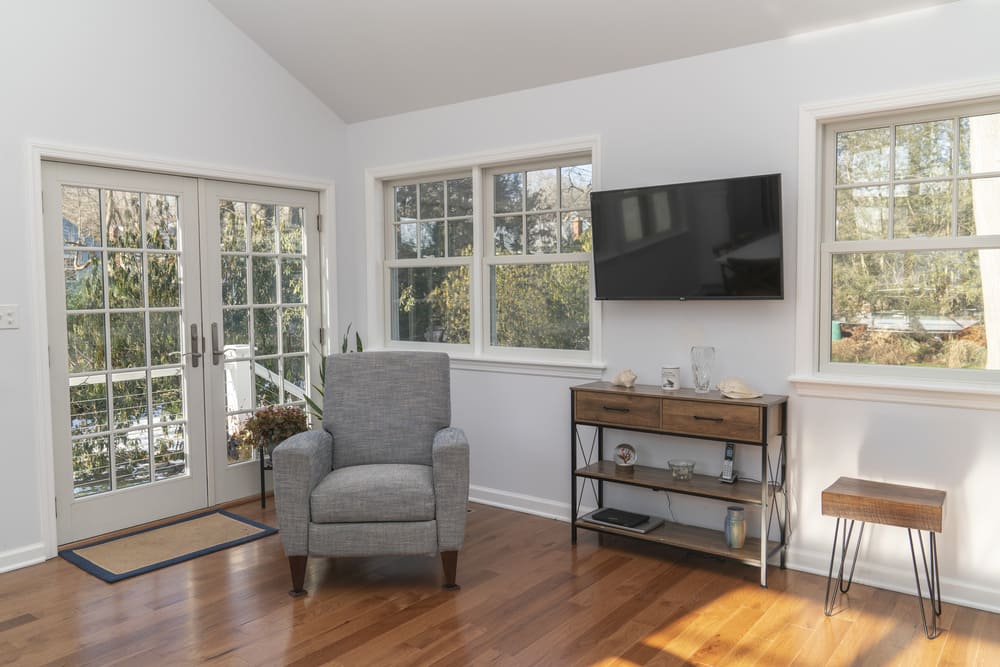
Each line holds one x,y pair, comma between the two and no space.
649,477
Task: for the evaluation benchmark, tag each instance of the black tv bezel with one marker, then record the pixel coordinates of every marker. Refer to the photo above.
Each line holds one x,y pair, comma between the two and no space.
781,233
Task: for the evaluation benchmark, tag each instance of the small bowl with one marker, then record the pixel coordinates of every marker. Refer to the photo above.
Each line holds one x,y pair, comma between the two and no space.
681,469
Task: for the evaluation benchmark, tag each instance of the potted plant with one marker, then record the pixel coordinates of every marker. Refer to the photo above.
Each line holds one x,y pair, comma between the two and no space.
270,426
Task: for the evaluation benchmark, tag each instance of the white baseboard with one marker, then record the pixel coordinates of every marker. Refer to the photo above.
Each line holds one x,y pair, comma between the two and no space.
22,557
955,591
901,580
519,502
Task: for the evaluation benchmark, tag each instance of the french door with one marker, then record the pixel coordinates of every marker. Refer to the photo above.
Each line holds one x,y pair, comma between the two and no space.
160,344
263,297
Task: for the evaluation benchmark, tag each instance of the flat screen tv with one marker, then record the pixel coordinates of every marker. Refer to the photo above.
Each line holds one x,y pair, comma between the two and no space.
706,240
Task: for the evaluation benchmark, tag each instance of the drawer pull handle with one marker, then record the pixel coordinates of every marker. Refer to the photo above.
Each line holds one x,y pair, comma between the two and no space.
709,419
612,408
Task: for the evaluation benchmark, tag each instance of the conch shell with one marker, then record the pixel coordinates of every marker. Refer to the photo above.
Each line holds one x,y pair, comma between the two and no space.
737,388
625,379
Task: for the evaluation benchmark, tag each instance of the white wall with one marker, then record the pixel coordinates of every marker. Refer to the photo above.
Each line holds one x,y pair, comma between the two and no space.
171,80
724,114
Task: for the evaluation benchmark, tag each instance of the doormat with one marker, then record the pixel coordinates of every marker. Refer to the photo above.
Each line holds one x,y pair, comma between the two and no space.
150,549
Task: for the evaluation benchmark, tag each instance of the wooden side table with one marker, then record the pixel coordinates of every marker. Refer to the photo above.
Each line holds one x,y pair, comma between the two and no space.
910,507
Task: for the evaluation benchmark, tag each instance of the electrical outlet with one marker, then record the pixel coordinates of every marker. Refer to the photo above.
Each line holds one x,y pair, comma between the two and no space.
9,317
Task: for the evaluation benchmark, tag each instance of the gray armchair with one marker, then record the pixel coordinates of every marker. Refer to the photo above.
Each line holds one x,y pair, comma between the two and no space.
386,475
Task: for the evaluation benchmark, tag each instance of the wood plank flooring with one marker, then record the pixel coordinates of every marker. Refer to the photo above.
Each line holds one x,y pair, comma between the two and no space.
527,598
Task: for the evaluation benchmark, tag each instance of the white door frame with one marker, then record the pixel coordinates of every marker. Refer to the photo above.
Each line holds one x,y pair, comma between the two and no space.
37,151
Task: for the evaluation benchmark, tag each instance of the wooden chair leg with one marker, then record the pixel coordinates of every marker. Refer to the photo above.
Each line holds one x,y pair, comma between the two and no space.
449,559
297,564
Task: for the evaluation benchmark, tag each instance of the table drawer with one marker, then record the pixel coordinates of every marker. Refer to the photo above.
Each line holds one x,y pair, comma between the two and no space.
618,409
712,420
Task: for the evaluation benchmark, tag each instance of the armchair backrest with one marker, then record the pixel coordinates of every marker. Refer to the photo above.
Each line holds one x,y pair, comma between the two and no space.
385,407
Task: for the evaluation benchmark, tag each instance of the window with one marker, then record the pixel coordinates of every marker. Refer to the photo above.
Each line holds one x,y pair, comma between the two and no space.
539,262
493,259
910,246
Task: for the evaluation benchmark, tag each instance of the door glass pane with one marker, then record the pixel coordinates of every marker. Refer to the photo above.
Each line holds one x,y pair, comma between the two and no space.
168,397
293,330
84,280
262,227
265,280
294,373
130,401
233,220
131,458
121,219
164,286
267,380
128,340
234,280
161,222
86,339
81,217
268,276
236,332
125,279
121,254
291,281
292,231
265,330
169,451
164,338
91,466
88,405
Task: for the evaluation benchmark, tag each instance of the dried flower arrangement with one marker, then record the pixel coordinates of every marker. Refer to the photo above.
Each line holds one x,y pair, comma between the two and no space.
271,425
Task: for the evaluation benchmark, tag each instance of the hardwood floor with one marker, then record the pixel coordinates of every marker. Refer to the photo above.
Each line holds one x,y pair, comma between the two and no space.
527,598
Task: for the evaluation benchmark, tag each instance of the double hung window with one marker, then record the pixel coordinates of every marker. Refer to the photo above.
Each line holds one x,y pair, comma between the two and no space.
910,247
492,260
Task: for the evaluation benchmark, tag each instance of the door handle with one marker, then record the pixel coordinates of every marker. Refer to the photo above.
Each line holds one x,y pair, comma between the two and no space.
195,354
216,350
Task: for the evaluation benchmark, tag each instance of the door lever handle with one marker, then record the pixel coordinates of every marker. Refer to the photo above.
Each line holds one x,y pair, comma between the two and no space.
195,354
216,350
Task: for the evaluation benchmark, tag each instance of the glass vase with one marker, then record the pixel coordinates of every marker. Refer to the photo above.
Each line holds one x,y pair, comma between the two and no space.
702,360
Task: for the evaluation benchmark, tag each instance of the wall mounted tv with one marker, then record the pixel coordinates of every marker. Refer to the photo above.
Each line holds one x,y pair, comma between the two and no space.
706,240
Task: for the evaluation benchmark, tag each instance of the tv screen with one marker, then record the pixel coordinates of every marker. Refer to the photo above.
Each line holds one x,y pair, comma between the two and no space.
706,240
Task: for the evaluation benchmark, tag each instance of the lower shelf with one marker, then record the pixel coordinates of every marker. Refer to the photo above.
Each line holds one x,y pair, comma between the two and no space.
704,540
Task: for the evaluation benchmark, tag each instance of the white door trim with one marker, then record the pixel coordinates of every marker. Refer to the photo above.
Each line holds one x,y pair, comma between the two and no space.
36,151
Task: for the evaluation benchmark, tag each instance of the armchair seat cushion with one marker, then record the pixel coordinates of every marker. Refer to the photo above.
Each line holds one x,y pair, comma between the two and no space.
381,492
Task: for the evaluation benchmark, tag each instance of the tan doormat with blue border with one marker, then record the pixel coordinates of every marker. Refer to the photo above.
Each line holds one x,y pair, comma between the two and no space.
150,549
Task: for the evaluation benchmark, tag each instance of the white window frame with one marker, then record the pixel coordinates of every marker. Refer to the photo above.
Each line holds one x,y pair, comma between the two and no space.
479,353
813,376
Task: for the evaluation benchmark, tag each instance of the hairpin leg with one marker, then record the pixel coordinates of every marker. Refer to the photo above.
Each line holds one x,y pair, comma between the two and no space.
933,577
831,593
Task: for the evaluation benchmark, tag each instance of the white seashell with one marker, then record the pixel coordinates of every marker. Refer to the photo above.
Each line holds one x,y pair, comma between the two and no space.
737,388
625,379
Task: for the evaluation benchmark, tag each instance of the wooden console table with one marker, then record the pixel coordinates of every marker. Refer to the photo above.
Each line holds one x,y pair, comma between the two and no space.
684,413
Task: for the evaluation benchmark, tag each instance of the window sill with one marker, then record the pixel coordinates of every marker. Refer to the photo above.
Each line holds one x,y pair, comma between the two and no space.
939,394
574,370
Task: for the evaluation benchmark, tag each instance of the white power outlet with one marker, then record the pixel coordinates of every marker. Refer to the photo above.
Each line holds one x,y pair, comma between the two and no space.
9,317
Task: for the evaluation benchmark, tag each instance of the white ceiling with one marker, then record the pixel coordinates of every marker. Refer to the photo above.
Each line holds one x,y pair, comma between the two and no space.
371,58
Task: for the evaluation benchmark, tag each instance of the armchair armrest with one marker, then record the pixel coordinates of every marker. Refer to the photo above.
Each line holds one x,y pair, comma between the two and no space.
300,463
450,458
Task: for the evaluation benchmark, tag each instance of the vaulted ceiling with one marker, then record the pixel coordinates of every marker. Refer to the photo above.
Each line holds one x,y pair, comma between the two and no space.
371,58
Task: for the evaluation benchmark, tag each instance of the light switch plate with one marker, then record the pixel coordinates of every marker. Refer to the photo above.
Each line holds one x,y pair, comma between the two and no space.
9,317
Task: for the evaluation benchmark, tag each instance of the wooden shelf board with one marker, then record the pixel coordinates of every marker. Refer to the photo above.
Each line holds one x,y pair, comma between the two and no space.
706,486
692,537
